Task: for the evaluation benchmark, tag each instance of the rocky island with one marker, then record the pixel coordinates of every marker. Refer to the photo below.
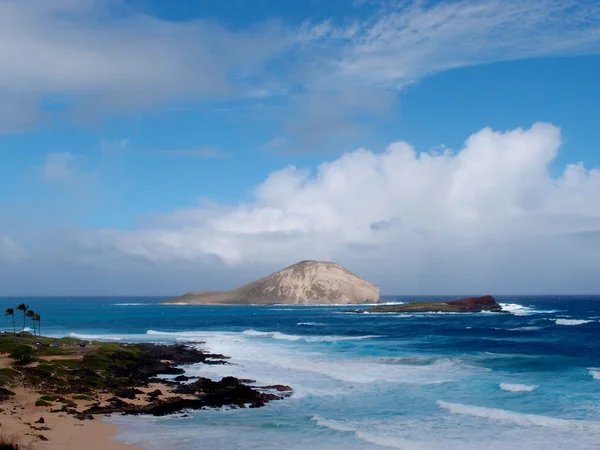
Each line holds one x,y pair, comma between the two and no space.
467,305
304,283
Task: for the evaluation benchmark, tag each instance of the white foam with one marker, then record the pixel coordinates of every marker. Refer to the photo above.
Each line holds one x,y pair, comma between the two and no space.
595,373
525,329
292,337
517,387
572,322
519,418
98,337
131,304
311,324
372,438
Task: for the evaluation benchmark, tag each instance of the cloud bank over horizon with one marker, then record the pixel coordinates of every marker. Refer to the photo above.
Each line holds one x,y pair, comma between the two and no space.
490,217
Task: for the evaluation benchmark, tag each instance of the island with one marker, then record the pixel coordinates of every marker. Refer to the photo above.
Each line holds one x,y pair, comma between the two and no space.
303,283
467,305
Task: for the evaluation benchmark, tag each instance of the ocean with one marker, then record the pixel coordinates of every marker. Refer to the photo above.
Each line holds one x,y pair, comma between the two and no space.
525,380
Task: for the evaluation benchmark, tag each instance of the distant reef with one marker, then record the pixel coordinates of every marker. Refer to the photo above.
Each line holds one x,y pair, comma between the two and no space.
304,283
467,305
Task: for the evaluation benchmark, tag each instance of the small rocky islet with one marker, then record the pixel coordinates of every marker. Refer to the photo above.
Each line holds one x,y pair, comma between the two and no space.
466,305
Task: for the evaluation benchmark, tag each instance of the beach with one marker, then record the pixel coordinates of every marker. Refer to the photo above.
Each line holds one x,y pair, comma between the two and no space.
62,431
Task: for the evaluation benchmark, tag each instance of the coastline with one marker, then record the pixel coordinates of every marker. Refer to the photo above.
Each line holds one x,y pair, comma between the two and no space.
54,394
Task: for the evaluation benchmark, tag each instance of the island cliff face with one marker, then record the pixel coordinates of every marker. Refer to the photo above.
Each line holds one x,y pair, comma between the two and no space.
304,283
472,304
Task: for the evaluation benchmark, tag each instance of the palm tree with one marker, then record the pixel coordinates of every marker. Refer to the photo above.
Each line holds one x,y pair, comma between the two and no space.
31,315
38,320
23,307
11,312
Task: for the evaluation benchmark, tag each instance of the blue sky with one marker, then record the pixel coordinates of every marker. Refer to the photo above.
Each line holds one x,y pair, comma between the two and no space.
195,145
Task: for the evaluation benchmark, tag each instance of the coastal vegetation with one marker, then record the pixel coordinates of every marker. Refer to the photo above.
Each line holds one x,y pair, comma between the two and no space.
86,378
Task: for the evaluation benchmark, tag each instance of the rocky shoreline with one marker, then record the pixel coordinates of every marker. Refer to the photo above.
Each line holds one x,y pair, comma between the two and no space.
70,378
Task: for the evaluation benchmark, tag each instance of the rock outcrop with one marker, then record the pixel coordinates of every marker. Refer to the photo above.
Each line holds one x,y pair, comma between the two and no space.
472,304
304,283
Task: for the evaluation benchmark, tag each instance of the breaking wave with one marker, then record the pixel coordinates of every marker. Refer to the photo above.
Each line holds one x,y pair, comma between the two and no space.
519,418
572,322
293,337
517,387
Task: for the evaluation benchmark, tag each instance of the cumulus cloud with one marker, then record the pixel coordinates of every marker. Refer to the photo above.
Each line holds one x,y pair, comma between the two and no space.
490,215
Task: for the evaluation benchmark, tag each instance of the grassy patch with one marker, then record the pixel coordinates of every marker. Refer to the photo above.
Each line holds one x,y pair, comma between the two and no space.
40,402
82,397
7,372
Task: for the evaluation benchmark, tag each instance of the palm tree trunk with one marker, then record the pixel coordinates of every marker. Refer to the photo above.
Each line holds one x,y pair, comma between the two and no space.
14,328
39,327
24,316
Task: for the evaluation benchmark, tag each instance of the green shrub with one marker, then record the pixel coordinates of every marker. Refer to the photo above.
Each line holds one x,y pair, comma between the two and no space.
23,354
40,402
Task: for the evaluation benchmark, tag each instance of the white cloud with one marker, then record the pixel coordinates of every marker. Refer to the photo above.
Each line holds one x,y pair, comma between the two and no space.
60,166
85,59
407,42
489,216
96,57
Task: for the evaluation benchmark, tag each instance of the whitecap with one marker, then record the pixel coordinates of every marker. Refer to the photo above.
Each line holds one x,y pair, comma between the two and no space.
517,387
572,322
519,418
311,324
96,337
372,438
292,337
595,373
131,304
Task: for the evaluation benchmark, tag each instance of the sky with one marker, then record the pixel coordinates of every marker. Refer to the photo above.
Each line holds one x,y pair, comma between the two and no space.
431,147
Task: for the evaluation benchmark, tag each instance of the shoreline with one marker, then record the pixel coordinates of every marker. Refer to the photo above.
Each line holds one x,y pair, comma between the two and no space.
54,393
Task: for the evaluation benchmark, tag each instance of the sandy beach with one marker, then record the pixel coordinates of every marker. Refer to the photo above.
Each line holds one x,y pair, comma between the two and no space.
62,431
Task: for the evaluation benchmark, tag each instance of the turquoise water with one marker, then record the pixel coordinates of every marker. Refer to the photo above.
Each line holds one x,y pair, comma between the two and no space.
529,379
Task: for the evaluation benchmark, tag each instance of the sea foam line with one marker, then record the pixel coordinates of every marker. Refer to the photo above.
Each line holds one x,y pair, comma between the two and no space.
377,439
517,387
519,418
572,322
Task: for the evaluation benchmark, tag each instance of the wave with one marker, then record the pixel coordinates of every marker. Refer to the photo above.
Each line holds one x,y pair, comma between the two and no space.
595,373
293,337
311,324
97,337
132,304
520,310
372,438
572,322
525,329
517,387
519,418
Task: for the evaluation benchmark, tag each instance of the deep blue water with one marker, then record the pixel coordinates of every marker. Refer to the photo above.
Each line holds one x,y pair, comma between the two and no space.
529,379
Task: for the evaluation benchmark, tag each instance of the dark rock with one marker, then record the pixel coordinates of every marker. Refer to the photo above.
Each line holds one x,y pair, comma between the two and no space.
155,393
277,387
467,305
129,393
84,416
40,420
181,378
